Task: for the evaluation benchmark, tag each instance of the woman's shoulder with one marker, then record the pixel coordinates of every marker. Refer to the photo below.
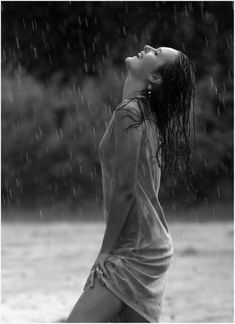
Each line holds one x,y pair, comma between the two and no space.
129,113
129,106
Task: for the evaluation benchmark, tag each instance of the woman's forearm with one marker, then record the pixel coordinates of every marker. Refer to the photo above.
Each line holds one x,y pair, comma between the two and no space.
119,209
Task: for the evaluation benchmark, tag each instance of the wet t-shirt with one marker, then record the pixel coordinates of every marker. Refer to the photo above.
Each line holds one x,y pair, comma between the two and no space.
144,249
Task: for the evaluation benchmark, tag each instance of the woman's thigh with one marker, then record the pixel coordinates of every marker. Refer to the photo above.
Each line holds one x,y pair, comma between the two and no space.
131,316
97,304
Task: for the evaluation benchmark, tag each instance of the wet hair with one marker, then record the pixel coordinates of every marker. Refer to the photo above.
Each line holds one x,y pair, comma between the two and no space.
170,105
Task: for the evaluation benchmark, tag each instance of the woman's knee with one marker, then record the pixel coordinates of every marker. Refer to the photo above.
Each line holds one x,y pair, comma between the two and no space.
97,304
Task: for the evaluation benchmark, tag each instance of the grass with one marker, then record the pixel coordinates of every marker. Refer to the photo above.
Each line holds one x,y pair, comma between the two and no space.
45,266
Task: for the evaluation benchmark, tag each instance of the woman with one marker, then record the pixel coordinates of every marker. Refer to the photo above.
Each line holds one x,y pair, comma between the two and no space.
127,280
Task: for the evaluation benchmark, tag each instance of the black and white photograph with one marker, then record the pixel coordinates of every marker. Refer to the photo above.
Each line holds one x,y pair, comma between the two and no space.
117,161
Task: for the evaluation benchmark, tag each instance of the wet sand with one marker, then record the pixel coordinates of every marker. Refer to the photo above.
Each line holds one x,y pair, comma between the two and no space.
45,266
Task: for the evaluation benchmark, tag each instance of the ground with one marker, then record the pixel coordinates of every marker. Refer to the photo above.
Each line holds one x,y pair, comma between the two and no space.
45,266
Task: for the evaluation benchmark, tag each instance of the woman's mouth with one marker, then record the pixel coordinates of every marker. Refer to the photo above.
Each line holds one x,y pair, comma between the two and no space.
140,55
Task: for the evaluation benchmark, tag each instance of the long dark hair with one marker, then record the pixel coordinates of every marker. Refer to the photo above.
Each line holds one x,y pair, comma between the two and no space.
170,104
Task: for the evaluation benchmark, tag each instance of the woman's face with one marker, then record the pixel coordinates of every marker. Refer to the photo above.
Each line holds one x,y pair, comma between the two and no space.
150,60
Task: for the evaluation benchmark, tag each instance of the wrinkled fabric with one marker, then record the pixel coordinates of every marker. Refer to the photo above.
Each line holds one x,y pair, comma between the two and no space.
144,249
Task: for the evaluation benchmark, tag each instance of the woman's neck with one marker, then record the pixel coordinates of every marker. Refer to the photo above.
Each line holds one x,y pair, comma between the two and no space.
132,88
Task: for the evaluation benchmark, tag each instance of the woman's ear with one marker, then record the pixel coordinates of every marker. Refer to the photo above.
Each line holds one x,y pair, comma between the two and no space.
155,78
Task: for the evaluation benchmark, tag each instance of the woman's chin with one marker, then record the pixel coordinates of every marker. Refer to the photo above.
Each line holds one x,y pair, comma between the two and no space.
130,58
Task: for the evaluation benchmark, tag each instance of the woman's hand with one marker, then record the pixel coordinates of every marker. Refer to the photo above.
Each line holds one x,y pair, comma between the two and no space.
99,269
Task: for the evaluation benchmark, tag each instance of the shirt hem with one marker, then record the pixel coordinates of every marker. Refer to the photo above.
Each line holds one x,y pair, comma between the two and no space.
126,301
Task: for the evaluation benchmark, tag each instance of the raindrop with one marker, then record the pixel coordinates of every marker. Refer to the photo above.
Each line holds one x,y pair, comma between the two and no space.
80,169
10,96
84,53
74,192
17,183
107,49
93,47
190,7
216,27
211,81
218,191
126,9
124,30
94,132
183,239
105,108
37,137
111,97
95,21
28,159
24,23
224,87
86,20
47,26
35,52
41,214
68,46
223,103
206,40
95,171
79,21
93,68
4,55
175,13
10,193
19,67
17,42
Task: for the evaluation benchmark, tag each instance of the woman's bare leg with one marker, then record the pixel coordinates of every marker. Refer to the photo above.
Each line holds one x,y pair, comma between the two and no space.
95,305
131,316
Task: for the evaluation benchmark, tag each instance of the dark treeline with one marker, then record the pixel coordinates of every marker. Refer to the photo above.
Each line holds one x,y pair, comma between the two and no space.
62,76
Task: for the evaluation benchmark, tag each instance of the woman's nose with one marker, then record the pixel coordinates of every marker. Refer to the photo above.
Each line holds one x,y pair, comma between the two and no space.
147,48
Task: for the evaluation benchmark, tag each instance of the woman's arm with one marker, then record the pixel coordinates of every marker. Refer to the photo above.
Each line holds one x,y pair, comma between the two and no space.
127,148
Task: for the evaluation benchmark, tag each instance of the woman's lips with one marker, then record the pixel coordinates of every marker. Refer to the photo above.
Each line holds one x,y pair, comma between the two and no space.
139,56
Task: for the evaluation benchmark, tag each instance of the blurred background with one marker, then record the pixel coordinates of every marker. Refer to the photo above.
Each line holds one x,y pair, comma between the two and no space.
62,77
